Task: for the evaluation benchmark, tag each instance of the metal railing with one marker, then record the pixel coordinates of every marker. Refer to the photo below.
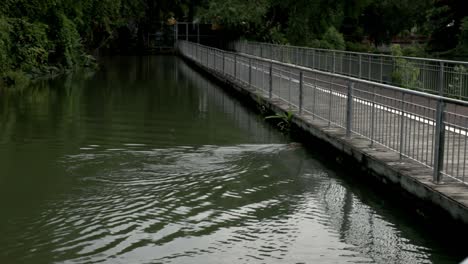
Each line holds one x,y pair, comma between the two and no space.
429,129
442,77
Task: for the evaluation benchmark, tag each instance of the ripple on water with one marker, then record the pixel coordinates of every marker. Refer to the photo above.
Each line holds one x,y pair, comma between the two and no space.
238,204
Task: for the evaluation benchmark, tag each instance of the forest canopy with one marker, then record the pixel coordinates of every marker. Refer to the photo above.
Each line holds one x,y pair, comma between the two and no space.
49,36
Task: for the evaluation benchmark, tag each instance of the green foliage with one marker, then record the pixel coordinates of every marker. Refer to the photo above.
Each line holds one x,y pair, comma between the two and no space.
459,81
359,47
31,45
5,45
445,20
414,51
234,14
462,47
15,78
332,39
405,73
68,46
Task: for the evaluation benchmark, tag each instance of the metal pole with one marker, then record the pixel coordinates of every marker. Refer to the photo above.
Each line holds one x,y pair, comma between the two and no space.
250,72
301,91
198,33
282,54
270,85
441,80
334,62
373,116
313,95
349,110
360,67
176,34
235,66
402,125
381,69
313,59
186,31
439,142
224,58
330,101
297,56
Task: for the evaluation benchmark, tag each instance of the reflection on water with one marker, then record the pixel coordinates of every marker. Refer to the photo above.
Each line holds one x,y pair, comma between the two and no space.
148,162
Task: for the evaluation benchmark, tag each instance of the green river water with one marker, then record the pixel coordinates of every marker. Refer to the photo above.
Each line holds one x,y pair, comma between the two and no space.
147,161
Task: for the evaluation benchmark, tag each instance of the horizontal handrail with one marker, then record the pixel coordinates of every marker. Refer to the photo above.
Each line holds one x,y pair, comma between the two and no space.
363,53
447,78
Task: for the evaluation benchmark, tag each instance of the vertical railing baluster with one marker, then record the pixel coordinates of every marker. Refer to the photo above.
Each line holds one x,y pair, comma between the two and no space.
360,65
270,82
330,102
441,79
381,69
224,58
349,110
235,66
402,124
301,91
250,72
372,117
439,142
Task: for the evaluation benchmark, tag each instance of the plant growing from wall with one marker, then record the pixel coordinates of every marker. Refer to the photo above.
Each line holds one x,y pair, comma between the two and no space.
284,120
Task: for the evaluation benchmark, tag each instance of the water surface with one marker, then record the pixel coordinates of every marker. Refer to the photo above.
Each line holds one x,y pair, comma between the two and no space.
146,161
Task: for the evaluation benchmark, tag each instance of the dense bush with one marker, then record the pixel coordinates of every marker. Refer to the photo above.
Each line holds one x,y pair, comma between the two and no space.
359,47
405,73
332,39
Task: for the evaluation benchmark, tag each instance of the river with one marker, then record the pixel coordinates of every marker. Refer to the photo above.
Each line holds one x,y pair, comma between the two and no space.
147,161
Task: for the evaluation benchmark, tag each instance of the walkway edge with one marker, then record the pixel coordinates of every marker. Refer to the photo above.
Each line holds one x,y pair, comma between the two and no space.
381,163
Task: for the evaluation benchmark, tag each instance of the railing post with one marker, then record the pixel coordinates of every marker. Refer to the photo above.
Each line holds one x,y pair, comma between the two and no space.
349,110
402,125
282,53
334,61
441,80
297,57
439,142
381,69
250,72
301,91
270,82
176,30
224,58
313,59
372,117
235,66
314,95
360,65
214,59
330,101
